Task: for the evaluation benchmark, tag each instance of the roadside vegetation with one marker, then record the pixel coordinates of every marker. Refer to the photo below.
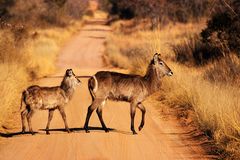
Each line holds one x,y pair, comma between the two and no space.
203,53
32,32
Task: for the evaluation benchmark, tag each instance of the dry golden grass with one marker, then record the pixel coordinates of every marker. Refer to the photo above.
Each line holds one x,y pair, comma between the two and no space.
20,64
44,48
141,45
227,72
216,105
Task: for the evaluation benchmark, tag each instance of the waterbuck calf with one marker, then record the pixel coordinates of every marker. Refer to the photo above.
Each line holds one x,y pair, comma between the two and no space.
48,98
124,87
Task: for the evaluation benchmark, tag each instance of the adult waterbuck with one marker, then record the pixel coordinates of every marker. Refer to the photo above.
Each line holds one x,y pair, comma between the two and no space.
48,98
124,87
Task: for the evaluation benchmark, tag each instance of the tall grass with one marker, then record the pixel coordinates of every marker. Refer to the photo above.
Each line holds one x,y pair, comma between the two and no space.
226,70
215,105
138,47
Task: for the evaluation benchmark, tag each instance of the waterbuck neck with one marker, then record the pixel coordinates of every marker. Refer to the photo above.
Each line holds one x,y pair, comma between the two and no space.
68,86
152,79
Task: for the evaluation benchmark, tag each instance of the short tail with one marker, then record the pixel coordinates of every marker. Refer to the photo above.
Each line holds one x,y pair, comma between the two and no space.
92,86
23,100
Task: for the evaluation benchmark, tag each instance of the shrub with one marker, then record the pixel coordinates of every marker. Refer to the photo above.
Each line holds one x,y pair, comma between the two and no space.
223,29
42,13
220,38
4,4
193,51
76,8
159,10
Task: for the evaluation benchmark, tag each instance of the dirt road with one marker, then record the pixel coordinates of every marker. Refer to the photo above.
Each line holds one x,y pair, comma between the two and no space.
159,139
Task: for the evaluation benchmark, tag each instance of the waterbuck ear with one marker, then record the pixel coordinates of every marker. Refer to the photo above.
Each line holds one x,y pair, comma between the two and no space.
73,73
155,58
68,70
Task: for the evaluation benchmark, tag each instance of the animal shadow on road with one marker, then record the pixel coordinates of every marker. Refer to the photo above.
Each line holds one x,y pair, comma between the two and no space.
13,134
74,130
91,128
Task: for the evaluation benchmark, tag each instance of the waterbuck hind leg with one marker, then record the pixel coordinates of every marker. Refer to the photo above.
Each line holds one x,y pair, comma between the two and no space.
50,116
132,113
99,113
143,110
23,117
91,108
29,119
89,113
63,114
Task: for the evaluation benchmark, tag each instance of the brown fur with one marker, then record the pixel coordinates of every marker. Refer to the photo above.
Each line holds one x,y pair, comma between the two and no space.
48,98
125,87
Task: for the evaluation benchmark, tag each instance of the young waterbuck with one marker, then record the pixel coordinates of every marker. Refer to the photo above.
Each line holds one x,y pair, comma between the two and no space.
48,98
124,87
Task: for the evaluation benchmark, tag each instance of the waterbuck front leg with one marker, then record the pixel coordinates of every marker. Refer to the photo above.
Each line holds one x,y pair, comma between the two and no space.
23,117
91,108
29,120
132,113
50,116
143,110
99,113
62,112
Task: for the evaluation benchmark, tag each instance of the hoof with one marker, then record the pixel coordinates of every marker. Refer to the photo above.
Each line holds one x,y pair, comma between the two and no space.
86,130
32,133
140,128
134,132
47,133
23,131
106,130
68,131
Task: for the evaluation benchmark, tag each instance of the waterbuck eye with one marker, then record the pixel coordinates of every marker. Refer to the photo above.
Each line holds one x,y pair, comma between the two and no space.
161,63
